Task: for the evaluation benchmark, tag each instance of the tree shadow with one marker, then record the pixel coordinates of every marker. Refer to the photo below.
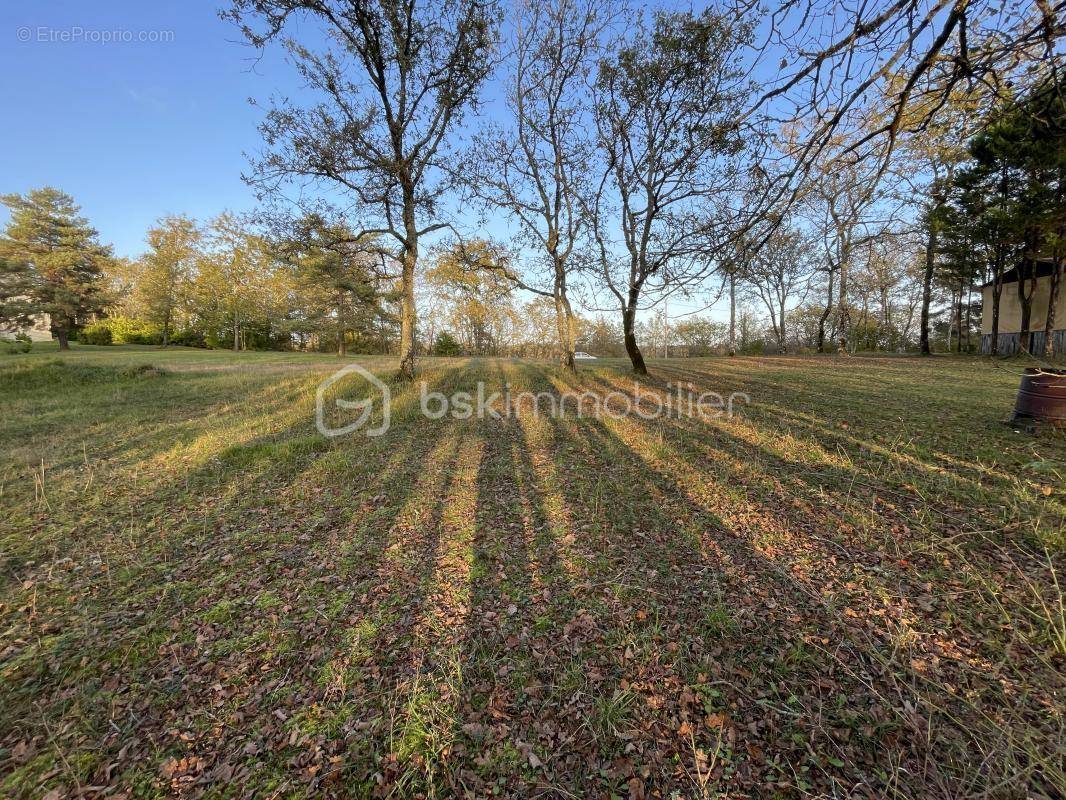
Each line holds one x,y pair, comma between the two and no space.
856,590
560,606
211,628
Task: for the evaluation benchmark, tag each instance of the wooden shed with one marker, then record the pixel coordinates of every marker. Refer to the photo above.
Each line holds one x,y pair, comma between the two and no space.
1010,312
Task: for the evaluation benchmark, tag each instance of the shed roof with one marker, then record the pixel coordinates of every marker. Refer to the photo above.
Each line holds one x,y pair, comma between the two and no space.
1044,267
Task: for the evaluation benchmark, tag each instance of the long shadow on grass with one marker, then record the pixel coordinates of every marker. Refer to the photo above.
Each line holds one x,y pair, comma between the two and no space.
680,458
358,586
392,630
386,679
614,655
529,651
877,470
713,608
920,399
860,496
209,643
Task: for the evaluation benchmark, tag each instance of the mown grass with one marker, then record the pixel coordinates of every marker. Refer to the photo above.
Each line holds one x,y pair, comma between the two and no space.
848,589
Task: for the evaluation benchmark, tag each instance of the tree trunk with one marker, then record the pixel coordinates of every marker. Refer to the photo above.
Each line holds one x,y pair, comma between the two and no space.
825,315
997,293
408,318
969,307
341,351
844,319
166,331
236,332
629,318
781,329
732,314
927,287
958,323
571,334
1053,299
63,335
1025,298
564,322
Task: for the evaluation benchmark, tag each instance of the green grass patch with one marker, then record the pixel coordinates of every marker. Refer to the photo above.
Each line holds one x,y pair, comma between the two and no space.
857,576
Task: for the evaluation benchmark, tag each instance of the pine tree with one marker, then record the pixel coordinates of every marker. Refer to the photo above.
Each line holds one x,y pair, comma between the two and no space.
53,261
16,309
337,282
1023,151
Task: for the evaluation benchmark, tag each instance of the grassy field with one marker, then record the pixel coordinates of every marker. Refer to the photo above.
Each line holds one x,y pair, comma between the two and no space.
848,589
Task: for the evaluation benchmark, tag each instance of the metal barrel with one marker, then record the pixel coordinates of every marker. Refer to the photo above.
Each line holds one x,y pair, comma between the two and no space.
1042,395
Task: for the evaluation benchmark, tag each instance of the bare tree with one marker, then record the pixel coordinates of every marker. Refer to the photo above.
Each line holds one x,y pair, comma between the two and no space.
668,129
932,149
396,78
887,280
732,278
898,69
841,197
779,272
834,62
536,170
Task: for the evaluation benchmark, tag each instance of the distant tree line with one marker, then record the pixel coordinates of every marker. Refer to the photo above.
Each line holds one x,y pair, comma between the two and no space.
221,283
231,283
893,159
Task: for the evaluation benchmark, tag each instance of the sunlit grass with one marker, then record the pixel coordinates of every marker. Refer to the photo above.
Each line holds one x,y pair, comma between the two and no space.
856,578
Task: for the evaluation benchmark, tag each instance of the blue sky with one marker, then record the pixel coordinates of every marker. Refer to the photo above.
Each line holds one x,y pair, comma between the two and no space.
155,121
137,129
132,130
